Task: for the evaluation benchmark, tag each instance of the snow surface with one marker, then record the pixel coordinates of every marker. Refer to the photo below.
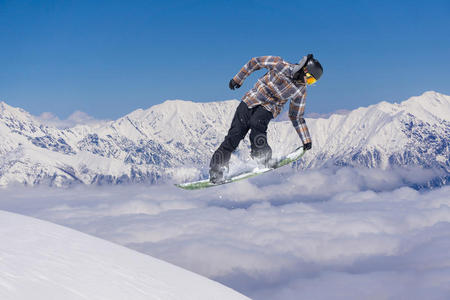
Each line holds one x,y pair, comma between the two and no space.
41,260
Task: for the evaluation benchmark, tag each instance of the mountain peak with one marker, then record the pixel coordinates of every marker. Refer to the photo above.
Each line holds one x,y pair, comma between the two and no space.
429,106
5,107
11,112
184,103
429,96
432,94
177,109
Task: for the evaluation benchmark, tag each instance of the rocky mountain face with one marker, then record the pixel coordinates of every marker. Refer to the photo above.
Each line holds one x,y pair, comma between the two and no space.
175,139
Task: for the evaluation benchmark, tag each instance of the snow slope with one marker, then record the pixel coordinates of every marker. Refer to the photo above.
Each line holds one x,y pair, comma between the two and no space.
175,139
41,260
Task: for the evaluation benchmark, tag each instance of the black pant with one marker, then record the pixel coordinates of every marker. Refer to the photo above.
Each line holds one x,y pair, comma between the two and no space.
256,120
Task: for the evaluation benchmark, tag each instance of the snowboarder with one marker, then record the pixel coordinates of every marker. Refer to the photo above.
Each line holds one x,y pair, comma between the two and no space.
264,101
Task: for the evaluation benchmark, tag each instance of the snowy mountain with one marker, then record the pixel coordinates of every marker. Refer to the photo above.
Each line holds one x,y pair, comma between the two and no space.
41,260
175,139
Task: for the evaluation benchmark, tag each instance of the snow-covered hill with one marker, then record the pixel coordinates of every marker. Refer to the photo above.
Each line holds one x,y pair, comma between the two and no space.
41,260
175,139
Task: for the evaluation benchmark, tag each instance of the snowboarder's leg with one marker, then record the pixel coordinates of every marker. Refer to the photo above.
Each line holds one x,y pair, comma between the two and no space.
238,129
260,149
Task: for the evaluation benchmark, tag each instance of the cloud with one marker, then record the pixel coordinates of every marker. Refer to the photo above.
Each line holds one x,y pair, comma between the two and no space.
341,233
76,118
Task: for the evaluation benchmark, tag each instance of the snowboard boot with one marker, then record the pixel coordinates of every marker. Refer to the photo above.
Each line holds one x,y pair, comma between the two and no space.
216,174
219,165
262,157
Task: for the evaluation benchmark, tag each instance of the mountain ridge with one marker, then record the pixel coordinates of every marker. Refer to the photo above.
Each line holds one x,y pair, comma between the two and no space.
175,139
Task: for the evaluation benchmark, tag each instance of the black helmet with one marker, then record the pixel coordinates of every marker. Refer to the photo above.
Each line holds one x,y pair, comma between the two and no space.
308,66
313,67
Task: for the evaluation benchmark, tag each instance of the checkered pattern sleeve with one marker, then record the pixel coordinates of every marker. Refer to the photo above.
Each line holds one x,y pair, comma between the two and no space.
254,64
296,111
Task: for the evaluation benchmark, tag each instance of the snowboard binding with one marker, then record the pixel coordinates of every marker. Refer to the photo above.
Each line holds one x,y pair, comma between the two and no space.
217,175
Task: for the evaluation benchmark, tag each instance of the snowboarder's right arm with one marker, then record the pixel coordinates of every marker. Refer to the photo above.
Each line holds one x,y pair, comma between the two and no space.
254,64
296,111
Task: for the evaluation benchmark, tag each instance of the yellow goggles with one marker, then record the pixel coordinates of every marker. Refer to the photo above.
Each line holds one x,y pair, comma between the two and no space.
310,79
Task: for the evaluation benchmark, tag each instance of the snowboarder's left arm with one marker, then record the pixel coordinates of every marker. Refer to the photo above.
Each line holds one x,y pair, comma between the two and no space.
254,64
296,112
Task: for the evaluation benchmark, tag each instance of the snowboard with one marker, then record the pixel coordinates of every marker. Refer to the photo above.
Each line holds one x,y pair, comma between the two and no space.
229,178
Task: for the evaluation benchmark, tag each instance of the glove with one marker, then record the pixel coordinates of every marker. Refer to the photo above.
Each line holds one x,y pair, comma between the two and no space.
233,84
307,146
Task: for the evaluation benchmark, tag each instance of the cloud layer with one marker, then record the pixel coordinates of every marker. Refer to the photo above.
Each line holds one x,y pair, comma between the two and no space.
76,118
333,233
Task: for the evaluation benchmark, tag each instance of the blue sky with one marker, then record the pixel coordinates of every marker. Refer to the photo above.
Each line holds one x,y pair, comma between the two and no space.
108,58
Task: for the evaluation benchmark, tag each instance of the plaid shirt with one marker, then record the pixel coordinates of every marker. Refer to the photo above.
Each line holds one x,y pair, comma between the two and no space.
274,89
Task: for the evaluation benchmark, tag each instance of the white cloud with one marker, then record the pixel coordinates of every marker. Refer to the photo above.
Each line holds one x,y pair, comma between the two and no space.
76,118
334,233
